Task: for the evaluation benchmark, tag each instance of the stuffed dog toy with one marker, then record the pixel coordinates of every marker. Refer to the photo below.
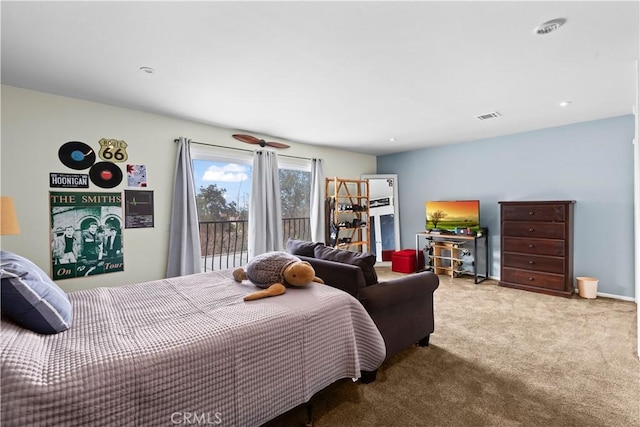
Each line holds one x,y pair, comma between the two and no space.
274,272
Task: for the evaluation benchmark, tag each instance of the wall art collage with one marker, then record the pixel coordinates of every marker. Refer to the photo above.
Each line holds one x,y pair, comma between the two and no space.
87,226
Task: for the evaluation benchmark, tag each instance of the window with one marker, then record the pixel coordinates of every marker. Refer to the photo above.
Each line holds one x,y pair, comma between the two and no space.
295,194
223,188
295,187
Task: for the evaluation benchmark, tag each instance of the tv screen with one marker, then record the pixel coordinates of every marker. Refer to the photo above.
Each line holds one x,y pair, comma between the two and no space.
453,214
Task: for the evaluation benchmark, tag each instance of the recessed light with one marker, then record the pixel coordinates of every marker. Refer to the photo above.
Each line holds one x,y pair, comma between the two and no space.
565,103
392,139
148,70
549,26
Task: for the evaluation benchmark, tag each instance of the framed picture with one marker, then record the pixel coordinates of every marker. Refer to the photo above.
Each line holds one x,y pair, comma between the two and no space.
138,209
86,234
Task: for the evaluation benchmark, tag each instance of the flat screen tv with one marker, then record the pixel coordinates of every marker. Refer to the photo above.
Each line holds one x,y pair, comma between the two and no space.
453,214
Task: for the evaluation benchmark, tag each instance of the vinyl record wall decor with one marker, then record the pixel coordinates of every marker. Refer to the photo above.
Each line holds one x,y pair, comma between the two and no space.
79,156
76,155
105,174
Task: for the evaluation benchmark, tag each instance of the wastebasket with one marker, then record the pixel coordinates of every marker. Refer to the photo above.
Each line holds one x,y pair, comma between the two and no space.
587,287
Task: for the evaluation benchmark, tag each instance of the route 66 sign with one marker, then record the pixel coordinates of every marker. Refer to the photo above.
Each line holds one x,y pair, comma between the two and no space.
113,150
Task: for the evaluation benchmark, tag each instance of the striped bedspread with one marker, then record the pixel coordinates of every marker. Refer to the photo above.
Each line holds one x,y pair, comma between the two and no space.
186,350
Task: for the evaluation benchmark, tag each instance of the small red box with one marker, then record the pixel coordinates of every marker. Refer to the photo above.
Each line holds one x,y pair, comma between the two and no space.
404,261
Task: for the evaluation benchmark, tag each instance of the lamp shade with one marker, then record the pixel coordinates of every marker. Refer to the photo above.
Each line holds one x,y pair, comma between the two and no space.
8,218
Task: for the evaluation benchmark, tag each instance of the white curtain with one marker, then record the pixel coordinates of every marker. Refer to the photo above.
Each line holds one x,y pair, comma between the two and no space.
184,237
265,209
317,201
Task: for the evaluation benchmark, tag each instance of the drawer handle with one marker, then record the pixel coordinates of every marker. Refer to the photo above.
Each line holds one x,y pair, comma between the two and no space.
532,246
531,230
531,212
531,262
531,279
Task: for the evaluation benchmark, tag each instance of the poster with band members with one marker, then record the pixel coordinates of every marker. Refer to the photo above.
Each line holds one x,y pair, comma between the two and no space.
86,234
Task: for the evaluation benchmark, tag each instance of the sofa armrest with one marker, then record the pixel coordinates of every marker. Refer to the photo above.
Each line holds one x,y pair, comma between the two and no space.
398,291
402,309
346,277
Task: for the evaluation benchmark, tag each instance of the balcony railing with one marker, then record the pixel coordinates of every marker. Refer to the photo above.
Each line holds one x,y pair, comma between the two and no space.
223,244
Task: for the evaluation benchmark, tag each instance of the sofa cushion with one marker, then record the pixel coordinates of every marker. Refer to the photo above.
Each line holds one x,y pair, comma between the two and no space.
302,247
30,298
365,261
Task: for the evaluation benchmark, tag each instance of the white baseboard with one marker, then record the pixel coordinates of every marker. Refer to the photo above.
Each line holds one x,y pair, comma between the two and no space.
604,295
600,294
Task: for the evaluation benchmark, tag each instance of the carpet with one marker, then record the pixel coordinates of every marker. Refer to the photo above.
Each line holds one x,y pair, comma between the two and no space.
499,357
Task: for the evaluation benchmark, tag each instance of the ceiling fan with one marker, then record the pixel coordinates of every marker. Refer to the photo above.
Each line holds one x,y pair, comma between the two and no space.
261,142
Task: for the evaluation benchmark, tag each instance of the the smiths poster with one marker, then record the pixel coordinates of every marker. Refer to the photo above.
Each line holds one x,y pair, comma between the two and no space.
86,233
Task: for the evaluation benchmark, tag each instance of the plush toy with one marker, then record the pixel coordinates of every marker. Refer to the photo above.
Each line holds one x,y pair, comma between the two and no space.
273,272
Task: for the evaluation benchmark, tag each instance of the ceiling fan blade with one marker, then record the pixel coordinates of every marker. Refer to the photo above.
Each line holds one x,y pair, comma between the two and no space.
261,142
246,138
277,145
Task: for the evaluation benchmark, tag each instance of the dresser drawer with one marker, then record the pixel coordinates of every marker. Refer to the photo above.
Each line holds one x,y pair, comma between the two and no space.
549,230
547,264
554,213
533,279
533,246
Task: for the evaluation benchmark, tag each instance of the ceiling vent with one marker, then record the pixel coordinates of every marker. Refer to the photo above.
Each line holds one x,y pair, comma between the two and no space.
491,115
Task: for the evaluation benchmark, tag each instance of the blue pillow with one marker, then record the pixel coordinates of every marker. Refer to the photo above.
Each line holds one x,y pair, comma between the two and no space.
30,298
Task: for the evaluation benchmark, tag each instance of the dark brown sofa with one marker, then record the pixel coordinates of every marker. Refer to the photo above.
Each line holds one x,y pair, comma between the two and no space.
402,308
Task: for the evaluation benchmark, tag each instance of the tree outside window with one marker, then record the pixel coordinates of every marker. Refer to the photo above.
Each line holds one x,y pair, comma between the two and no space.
295,190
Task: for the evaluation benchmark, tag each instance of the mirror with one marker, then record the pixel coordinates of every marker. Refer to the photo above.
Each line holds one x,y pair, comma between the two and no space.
383,211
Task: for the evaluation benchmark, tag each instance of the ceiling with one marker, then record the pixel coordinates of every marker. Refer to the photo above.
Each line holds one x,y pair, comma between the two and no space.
369,77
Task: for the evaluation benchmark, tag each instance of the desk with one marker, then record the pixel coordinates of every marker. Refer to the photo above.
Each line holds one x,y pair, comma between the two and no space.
461,250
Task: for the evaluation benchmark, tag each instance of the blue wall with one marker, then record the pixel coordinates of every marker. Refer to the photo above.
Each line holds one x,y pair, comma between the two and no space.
590,162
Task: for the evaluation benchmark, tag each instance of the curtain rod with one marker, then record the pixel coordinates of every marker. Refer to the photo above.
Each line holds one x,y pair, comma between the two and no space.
241,149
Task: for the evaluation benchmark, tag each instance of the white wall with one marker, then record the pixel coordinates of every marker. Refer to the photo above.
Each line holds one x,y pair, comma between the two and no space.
36,124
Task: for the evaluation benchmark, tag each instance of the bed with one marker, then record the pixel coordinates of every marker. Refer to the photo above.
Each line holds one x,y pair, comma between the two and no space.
182,351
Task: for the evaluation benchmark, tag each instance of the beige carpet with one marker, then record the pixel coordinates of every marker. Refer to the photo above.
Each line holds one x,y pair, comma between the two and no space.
500,357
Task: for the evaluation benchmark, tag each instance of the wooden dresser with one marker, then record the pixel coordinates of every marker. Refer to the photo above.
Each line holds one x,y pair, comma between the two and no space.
536,246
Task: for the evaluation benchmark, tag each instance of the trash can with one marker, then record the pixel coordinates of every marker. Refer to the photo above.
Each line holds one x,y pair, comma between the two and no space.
587,287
